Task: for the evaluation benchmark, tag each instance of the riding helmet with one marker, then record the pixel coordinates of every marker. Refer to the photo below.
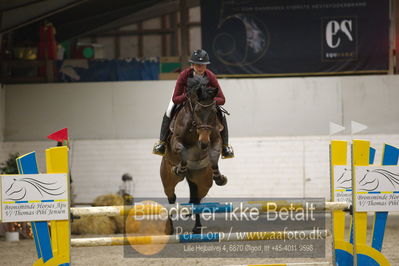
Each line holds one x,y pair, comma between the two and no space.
199,57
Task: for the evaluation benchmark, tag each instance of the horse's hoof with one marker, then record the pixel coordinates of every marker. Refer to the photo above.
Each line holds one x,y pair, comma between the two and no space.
180,174
220,180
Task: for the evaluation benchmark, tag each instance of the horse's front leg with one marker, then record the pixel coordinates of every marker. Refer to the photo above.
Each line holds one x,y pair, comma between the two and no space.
181,169
195,199
214,154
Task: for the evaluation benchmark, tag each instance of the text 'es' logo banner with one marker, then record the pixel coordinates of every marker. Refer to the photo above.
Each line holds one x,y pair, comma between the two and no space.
296,37
339,39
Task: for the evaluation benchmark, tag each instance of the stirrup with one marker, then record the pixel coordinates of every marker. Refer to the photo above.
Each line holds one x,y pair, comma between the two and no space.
159,148
227,152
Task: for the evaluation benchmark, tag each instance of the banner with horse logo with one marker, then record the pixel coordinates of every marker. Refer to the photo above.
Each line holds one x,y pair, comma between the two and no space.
296,37
41,197
377,188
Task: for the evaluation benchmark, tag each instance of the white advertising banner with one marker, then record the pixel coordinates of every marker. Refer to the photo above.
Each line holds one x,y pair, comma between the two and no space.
377,188
39,197
342,183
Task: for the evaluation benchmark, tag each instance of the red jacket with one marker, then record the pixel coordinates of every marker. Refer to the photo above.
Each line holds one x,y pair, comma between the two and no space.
179,94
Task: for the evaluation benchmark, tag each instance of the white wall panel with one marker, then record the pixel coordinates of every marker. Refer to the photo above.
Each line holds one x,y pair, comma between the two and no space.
373,102
27,147
259,107
106,110
258,171
275,107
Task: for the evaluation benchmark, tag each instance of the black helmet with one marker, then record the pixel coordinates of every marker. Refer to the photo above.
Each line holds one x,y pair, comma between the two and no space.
199,57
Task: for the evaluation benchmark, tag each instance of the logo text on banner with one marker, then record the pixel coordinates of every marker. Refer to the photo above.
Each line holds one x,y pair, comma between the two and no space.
377,188
41,197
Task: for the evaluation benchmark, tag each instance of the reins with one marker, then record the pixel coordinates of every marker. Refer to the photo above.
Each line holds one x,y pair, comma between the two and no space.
205,105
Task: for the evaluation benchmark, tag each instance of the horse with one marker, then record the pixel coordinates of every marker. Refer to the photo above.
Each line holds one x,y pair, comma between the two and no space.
194,147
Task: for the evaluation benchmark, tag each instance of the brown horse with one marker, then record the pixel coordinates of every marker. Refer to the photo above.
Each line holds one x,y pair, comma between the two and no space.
193,149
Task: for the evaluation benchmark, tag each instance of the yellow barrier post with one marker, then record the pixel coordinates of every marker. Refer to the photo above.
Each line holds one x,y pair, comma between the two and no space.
57,162
343,249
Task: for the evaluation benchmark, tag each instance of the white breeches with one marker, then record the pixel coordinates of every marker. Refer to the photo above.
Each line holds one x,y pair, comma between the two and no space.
170,108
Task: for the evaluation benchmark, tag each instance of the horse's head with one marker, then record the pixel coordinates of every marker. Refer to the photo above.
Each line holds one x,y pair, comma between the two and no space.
205,118
205,115
203,106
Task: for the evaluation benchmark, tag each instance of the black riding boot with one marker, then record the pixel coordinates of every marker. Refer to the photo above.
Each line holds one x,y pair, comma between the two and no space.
160,147
227,150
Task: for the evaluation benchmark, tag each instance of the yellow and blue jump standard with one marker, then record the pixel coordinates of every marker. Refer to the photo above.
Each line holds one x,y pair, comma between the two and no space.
343,248
371,161
54,250
362,155
27,164
390,157
364,254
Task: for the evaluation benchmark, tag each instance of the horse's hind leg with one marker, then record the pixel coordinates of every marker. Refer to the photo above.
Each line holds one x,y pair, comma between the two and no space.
220,179
195,200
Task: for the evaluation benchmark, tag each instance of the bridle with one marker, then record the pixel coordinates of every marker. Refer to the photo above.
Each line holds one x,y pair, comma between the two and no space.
194,123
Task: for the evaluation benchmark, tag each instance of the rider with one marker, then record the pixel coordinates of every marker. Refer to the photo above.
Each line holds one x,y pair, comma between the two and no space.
199,59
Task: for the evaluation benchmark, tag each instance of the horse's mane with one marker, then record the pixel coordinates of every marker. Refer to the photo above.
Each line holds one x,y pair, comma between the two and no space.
197,87
206,94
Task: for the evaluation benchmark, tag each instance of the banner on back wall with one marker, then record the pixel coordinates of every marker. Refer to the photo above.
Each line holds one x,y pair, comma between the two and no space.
296,37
